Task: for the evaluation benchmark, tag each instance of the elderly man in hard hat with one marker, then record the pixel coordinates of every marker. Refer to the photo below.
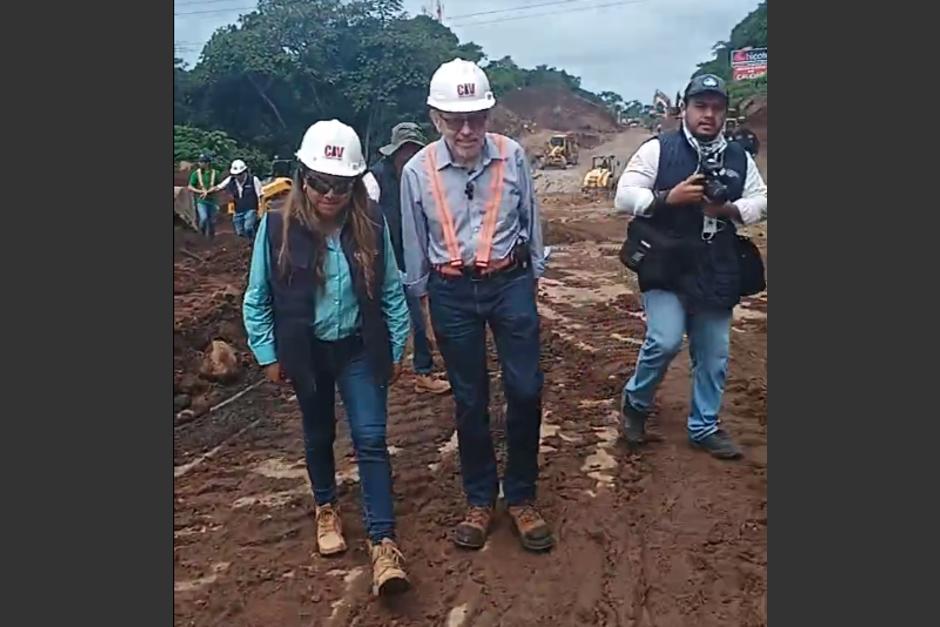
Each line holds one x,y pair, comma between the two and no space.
407,139
245,188
473,246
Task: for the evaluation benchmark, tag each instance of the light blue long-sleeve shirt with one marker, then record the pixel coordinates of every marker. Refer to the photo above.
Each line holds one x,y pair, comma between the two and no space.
422,231
337,309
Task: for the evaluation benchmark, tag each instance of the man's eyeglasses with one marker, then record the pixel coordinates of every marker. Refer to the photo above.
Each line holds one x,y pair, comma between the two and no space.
476,121
322,185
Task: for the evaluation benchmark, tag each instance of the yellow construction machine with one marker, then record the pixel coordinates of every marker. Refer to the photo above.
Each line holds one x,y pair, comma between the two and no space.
602,175
562,151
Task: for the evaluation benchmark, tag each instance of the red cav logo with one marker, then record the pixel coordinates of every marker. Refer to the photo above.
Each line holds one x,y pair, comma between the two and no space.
333,152
466,89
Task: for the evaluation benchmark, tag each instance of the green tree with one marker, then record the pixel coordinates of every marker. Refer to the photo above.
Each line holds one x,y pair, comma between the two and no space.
751,31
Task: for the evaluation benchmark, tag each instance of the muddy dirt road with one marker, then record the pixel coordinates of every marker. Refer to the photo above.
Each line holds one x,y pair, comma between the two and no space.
669,537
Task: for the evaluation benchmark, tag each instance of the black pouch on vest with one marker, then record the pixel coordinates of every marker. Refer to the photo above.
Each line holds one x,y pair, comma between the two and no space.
752,267
649,251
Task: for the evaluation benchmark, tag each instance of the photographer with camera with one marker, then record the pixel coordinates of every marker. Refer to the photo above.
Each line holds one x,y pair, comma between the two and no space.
687,190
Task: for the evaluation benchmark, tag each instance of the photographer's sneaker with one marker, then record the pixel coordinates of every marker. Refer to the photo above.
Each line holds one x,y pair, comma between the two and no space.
388,573
719,444
329,531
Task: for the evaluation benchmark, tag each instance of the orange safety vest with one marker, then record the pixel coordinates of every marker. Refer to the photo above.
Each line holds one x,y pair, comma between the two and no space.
485,241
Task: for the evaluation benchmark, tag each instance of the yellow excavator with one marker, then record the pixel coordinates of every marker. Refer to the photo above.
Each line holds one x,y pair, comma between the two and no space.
562,151
602,175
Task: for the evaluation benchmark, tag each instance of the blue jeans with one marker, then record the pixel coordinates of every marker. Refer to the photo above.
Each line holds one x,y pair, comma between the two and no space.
422,358
205,216
244,223
460,309
709,336
365,403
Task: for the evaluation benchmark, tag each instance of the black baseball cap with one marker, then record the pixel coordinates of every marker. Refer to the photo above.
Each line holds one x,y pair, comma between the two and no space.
706,84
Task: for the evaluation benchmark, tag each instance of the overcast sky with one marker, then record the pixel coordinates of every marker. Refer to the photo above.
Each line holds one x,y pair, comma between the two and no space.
631,47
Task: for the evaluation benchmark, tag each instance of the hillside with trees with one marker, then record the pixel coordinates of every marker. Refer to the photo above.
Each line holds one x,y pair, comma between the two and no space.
262,81
751,31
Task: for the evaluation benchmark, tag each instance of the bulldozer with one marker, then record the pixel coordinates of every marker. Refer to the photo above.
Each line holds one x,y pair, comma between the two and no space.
602,175
562,151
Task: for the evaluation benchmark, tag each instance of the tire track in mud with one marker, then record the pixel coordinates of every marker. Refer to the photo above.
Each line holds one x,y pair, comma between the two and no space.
666,537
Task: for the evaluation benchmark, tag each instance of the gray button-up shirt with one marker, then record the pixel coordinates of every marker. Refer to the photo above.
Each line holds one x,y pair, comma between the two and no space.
422,232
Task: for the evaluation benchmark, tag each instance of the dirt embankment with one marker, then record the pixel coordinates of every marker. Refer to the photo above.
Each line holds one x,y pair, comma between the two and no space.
208,284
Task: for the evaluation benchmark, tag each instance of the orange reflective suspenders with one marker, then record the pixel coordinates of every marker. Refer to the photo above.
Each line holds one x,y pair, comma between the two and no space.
485,240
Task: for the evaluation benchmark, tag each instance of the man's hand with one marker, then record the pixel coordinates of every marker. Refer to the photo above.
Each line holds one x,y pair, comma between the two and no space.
536,288
688,192
274,374
726,210
396,372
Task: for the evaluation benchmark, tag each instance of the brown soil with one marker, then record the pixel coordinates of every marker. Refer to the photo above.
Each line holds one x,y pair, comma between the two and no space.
208,285
669,536
559,109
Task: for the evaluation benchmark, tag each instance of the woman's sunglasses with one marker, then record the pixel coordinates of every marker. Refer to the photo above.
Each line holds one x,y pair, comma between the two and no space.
323,185
476,121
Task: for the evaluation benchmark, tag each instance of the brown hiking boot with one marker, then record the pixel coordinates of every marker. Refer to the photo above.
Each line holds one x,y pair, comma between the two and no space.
329,531
534,532
428,383
471,532
388,575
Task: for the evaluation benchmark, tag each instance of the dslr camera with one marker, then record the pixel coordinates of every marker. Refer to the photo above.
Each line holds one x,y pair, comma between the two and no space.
717,177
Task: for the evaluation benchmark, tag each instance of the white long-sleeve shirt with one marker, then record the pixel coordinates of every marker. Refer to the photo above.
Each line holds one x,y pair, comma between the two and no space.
240,186
635,187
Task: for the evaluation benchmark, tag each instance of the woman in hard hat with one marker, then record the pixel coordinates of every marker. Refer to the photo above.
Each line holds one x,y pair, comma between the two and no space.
201,181
245,188
325,309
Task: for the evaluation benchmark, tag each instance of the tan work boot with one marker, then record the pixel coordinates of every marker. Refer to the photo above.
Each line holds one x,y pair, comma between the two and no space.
428,383
534,532
471,532
388,574
329,531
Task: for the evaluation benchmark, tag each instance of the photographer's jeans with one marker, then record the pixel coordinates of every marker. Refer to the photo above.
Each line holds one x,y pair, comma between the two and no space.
709,334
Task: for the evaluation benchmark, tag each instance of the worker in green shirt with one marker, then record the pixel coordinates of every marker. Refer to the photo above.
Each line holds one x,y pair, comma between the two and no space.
201,181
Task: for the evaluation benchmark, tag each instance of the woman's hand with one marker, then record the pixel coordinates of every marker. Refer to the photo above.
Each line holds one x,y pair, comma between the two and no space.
274,374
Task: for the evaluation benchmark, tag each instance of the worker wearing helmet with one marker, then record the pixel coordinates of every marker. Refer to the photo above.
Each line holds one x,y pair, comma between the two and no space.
245,188
691,277
407,139
201,181
325,309
473,247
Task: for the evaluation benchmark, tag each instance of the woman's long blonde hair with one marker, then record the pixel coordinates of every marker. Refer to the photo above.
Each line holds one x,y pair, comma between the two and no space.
299,209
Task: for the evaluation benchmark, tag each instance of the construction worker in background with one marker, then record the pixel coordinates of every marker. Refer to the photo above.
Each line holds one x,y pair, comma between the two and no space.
473,247
201,181
325,309
245,188
691,287
407,139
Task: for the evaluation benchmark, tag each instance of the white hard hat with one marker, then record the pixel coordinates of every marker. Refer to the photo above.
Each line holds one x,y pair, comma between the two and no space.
460,86
331,147
238,166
